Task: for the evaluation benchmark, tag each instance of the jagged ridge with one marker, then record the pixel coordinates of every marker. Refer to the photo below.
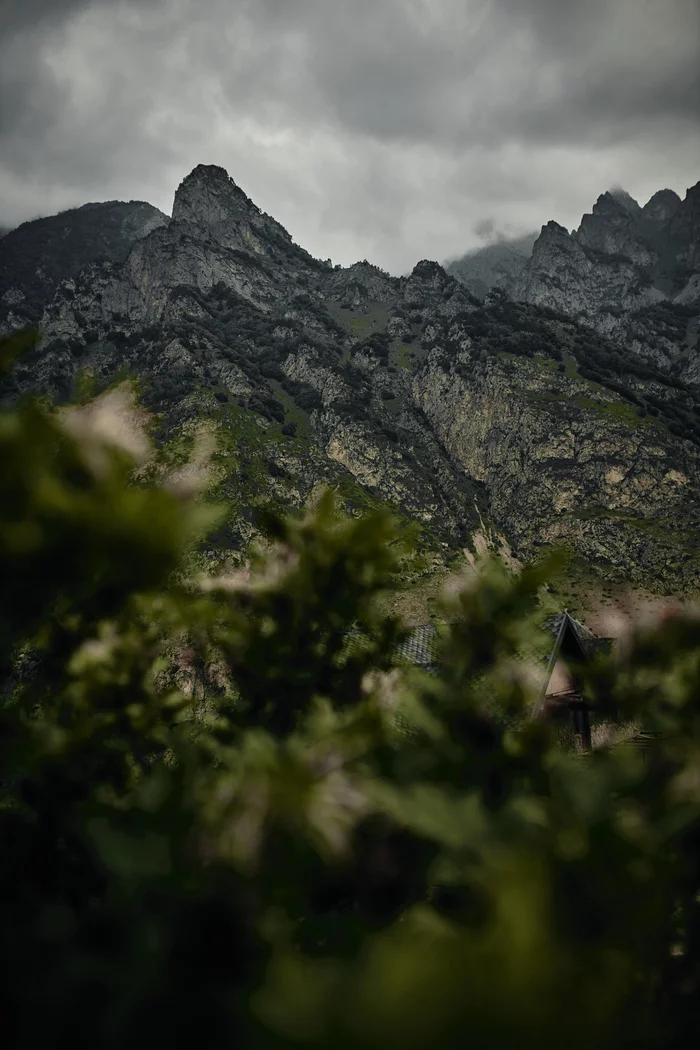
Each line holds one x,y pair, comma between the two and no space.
461,414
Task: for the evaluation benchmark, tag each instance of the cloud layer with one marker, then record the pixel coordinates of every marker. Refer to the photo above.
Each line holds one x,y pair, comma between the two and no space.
385,129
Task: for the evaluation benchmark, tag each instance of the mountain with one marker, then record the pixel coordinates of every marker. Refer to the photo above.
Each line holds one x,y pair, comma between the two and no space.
630,273
495,265
484,422
37,255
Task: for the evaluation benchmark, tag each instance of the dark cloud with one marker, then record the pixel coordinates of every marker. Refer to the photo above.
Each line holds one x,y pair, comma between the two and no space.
17,15
388,128
453,73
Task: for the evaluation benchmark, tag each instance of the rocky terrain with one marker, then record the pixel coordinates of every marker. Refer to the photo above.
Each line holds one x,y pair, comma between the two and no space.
480,421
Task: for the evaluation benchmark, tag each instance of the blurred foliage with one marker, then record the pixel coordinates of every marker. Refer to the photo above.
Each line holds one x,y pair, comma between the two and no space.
222,824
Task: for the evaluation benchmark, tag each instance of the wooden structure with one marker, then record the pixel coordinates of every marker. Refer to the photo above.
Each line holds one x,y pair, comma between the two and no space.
573,647
561,694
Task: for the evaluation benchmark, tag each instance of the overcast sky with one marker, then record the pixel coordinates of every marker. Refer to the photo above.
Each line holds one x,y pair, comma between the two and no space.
391,130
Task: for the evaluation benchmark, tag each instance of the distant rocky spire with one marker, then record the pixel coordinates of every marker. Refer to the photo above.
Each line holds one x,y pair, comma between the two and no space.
613,227
209,199
662,206
551,231
622,197
685,225
208,195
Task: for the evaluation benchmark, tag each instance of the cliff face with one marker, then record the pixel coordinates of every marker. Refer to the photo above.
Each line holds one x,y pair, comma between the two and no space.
661,207
614,228
460,414
563,464
684,224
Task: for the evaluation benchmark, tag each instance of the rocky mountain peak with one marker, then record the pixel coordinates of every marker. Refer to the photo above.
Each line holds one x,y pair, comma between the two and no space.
39,254
609,207
620,197
430,271
407,391
551,233
495,264
360,283
209,200
208,195
662,206
427,279
612,227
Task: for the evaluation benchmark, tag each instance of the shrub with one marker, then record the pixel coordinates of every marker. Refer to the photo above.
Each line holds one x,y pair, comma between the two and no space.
227,816
276,470
308,399
271,371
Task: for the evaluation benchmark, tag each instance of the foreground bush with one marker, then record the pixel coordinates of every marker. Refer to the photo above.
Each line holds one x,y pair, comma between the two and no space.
223,825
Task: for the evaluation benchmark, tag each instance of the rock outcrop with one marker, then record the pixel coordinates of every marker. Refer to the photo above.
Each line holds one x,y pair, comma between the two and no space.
661,207
684,225
564,467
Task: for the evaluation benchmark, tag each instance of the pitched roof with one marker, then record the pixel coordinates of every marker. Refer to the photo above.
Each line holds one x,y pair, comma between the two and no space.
571,639
421,646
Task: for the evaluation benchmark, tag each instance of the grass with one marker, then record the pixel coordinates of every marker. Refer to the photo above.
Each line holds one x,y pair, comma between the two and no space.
359,323
620,409
544,362
406,357
401,356
571,368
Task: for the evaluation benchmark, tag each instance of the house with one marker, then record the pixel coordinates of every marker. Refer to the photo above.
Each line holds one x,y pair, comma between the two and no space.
561,695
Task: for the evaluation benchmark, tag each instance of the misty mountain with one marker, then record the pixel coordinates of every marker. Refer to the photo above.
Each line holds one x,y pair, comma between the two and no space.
495,265
503,422
630,273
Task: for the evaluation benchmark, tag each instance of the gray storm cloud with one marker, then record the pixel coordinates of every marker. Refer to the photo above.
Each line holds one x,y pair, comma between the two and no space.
386,129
